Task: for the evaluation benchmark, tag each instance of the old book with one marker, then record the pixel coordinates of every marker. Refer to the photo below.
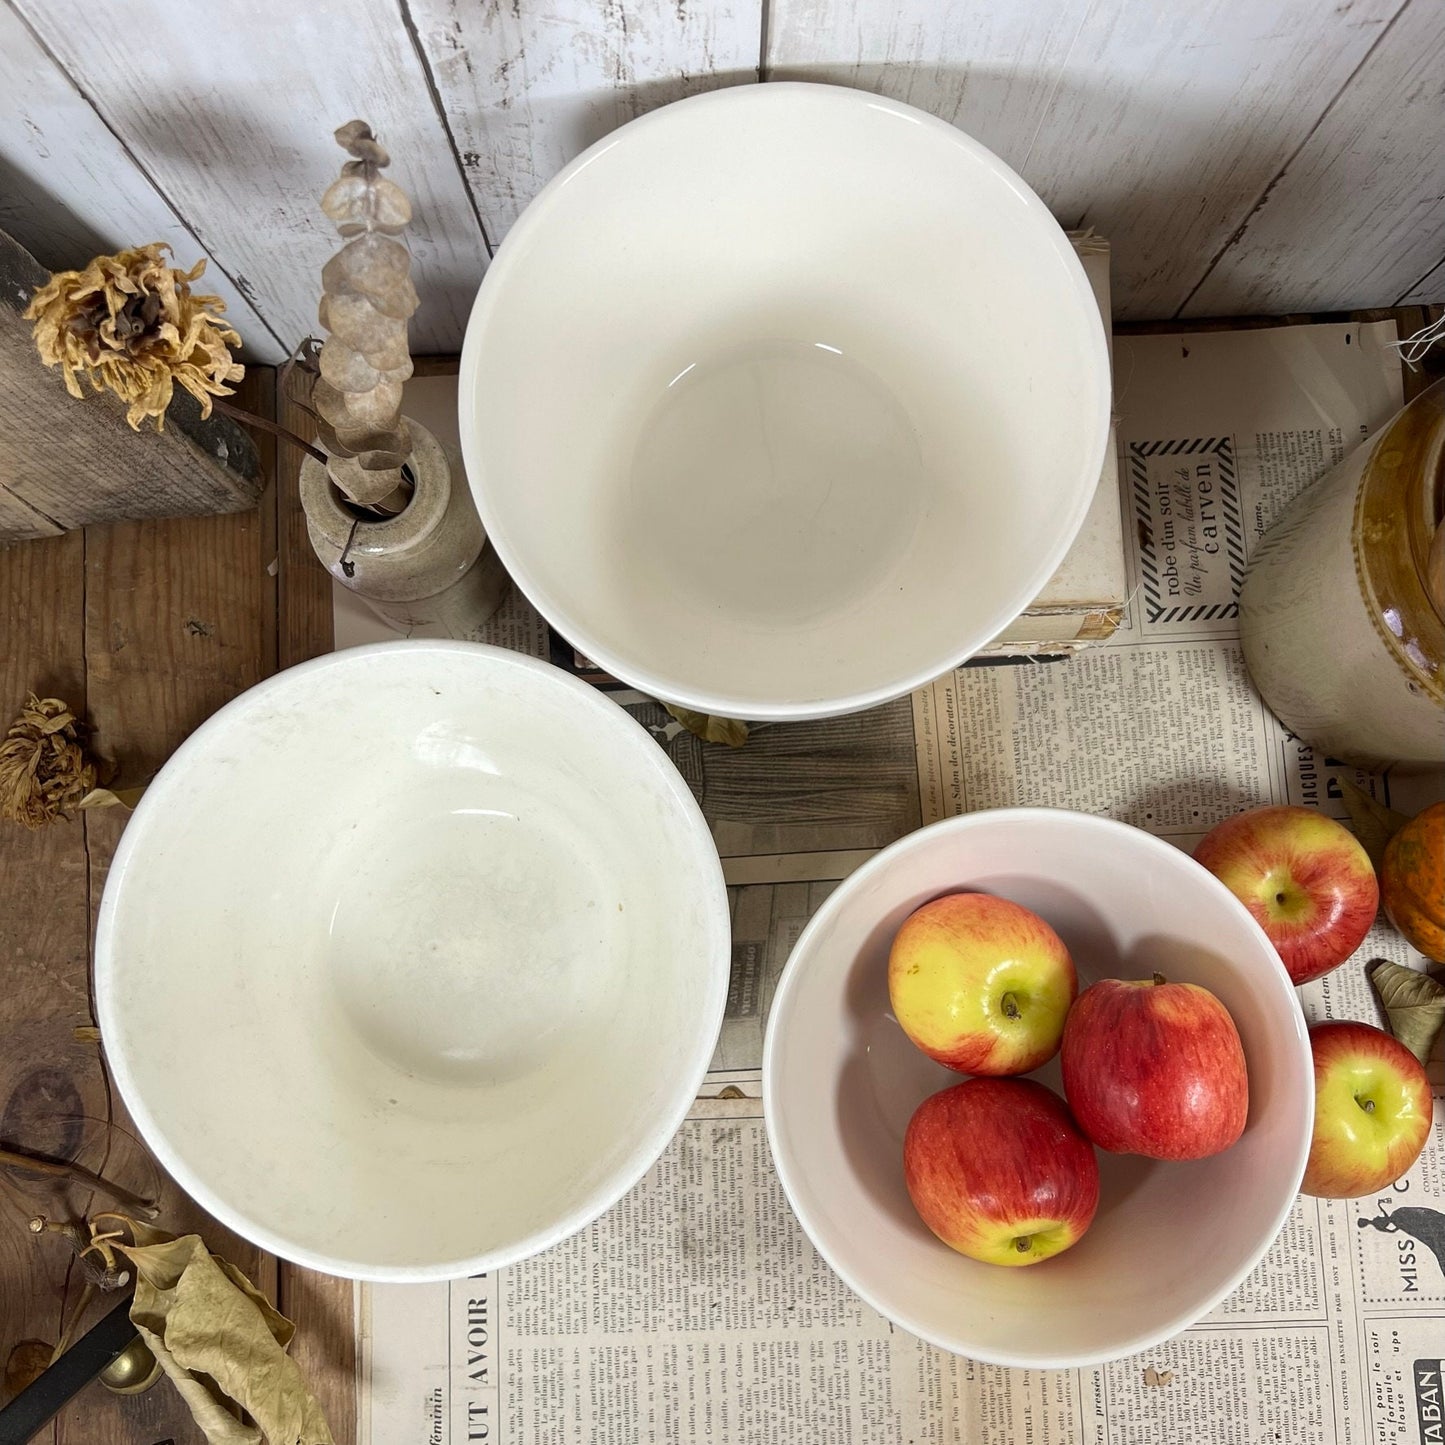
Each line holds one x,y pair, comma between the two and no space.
1084,600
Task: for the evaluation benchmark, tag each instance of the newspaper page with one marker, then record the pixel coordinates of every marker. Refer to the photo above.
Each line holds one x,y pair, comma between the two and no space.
696,1310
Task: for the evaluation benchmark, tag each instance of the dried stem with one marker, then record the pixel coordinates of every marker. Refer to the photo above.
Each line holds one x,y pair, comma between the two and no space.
76,1174
104,1273
87,1293
247,418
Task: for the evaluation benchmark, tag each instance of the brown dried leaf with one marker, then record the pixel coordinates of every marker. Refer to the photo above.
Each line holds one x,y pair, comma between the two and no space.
86,1034
1413,1002
1157,1377
374,265
221,1342
376,410
354,319
356,202
357,139
709,728
1375,824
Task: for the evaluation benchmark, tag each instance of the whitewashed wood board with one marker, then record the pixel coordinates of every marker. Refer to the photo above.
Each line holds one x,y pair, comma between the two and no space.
1359,210
69,190
527,87
1158,124
230,107
1243,155
1429,290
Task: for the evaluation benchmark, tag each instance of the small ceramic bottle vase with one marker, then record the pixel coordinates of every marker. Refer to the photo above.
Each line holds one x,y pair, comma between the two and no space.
430,566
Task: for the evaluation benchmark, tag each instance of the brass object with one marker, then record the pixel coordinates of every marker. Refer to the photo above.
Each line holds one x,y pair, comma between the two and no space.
133,1371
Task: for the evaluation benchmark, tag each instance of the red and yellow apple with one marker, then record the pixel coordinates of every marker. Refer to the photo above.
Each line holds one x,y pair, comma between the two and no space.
981,984
998,1170
1372,1110
1155,1068
1304,877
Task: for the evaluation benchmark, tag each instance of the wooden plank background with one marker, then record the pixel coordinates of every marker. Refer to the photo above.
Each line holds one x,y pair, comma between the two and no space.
1243,156
146,628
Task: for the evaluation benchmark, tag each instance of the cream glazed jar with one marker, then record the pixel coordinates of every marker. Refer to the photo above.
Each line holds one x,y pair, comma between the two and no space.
1342,613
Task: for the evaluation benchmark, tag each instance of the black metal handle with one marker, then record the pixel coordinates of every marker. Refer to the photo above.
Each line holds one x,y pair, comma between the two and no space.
43,1399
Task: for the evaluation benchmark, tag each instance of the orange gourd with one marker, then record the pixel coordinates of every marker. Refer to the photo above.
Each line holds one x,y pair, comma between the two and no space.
1412,881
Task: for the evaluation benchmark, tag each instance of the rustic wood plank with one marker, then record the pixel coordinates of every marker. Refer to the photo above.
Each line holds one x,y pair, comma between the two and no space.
526,87
49,439
70,190
304,585
325,1344
1428,290
174,628
1358,213
46,1078
1159,125
232,115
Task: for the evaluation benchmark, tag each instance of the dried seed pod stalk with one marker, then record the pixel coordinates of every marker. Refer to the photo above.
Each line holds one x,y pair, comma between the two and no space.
367,298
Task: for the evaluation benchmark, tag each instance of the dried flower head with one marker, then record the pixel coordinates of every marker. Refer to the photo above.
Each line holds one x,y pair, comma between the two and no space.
130,324
44,768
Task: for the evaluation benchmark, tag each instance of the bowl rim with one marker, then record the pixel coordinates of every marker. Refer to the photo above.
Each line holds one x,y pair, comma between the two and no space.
644,1153
637,672
790,1178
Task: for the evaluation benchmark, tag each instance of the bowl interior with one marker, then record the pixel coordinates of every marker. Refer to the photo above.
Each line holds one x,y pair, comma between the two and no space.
412,959
812,412
841,1082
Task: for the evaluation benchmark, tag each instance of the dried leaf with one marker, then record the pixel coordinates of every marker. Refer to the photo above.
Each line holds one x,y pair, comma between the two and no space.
1413,1002
357,139
111,798
376,266
1157,1377
709,728
87,1034
221,1341
1375,824
357,202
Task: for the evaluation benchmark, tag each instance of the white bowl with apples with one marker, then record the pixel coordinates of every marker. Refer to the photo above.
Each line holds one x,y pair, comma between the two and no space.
1138,1248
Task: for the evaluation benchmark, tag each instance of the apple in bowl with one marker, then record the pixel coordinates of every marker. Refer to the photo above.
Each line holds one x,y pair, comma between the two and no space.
1155,1068
998,1170
981,984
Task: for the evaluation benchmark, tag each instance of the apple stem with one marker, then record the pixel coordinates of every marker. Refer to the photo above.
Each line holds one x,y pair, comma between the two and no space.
1023,1243
1159,978
1010,1006
1368,1105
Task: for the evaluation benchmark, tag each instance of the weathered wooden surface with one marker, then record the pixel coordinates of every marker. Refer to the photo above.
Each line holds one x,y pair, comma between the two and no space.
1364,194
70,189
1242,157
1159,125
66,461
304,591
148,627
526,88
231,112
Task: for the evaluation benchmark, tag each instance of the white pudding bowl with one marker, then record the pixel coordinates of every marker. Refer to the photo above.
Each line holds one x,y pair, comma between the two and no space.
784,399
412,960
840,1082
